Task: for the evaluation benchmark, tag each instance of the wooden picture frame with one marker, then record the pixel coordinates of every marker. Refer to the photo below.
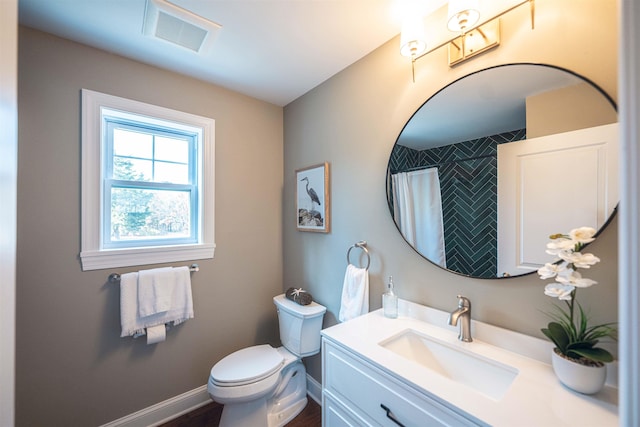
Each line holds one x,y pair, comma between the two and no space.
312,199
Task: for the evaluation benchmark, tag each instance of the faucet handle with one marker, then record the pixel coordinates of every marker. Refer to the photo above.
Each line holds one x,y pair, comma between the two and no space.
463,301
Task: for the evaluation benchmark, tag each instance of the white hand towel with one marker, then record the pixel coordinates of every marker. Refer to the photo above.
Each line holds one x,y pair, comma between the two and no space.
181,304
355,293
155,290
129,305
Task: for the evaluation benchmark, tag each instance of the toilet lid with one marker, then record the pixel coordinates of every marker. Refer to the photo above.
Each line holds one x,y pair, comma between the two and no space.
247,365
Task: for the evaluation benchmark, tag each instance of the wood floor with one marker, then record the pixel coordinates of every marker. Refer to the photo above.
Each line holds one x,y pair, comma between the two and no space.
209,416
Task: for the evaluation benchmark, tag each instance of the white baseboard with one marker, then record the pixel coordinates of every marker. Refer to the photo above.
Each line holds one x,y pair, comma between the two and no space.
165,411
314,389
172,408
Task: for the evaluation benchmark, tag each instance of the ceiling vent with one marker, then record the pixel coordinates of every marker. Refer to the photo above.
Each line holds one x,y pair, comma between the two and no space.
179,26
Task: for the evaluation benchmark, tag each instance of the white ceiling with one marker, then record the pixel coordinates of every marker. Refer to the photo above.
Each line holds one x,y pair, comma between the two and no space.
273,50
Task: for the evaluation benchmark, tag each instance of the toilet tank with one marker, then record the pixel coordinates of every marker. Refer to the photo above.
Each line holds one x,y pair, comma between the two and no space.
300,325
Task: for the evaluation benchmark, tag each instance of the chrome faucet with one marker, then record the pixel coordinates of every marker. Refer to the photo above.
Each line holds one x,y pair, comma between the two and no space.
463,311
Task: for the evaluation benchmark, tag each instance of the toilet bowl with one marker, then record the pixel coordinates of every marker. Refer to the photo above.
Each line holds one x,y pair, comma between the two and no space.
263,385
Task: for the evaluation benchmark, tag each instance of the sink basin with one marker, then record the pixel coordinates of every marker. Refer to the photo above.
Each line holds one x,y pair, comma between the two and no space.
487,376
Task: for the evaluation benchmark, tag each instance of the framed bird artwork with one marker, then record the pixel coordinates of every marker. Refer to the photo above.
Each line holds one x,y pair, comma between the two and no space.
312,198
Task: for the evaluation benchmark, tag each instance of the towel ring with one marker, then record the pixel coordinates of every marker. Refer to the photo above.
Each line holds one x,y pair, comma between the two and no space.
362,245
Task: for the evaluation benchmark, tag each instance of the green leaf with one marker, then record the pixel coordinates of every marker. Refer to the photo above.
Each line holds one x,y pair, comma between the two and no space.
551,338
582,344
557,333
601,331
583,322
563,318
597,354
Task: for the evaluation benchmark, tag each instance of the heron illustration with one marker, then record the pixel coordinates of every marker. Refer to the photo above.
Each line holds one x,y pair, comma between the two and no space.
312,193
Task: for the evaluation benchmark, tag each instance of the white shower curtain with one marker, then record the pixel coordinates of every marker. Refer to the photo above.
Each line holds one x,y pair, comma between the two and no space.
417,206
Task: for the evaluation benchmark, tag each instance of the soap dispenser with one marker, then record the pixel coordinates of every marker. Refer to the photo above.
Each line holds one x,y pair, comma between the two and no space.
390,301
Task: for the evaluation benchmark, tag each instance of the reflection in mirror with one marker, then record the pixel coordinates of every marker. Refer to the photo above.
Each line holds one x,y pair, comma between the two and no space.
496,161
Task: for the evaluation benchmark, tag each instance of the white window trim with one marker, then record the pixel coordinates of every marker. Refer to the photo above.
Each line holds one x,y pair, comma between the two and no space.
92,256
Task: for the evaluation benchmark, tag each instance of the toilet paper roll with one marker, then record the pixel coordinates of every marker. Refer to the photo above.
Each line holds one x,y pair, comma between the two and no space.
156,334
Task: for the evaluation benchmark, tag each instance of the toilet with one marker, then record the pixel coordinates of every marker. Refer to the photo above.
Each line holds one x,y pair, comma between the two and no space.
263,386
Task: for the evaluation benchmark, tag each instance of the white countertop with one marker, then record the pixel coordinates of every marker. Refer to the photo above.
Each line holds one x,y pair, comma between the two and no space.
535,398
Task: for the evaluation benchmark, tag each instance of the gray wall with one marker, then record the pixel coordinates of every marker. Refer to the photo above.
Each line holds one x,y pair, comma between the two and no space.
73,369
352,121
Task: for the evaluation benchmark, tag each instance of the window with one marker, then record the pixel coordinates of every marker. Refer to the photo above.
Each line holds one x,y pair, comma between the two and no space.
150,177
147,184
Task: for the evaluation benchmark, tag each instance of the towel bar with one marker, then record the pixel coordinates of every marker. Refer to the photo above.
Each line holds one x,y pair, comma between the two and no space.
362,245
115,277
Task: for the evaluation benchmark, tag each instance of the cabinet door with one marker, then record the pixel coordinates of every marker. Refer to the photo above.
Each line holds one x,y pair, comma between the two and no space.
378,398
553,184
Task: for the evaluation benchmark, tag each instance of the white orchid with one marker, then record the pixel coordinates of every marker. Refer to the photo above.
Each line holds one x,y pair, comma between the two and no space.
568,276
558,290
569,331
551,270
572,277
583,282
560,245
567,248
580,260
583,234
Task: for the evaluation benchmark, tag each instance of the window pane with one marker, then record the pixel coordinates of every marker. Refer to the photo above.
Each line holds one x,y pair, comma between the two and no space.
132,144
149,214
171,172
132,169
172,149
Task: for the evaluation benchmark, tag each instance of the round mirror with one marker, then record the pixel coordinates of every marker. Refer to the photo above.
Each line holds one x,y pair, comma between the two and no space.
495,162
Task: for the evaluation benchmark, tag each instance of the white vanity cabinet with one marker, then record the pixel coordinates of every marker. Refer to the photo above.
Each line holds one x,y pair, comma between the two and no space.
414,371
357,393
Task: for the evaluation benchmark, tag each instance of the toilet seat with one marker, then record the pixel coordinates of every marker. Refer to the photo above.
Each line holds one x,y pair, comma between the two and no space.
247,366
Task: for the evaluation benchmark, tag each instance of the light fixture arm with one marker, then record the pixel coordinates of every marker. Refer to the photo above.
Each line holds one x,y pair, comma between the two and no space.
533,14
532,6
413,68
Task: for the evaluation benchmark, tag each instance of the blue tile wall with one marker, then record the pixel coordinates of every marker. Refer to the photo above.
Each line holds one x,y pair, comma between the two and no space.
468,181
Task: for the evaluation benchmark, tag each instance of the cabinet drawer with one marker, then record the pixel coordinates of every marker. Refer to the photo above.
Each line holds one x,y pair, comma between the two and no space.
336,415
364,388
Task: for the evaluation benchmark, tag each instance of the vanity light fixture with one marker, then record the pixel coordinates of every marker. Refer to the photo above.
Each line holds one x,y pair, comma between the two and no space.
462,14
412,39
471,37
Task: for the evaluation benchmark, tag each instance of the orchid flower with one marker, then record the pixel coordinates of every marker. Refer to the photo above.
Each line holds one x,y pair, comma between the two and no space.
583,234
551,270
569,330
558,290
580,260
561,245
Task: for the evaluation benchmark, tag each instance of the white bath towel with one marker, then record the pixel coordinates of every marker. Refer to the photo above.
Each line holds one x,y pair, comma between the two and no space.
355,293
181,304
155,290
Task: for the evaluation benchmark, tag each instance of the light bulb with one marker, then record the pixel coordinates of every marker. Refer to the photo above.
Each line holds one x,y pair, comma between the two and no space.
412,38
462,15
